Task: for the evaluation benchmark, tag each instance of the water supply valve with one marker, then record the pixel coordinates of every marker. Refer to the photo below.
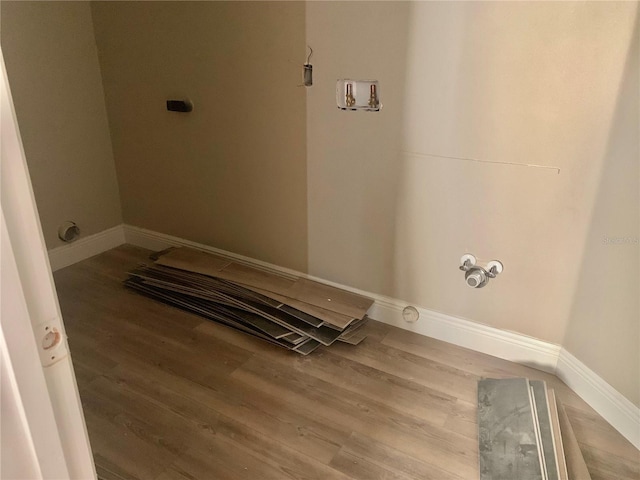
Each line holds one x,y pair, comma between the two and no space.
477,276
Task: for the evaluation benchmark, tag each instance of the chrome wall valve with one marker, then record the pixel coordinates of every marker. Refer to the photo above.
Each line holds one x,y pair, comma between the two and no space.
477,276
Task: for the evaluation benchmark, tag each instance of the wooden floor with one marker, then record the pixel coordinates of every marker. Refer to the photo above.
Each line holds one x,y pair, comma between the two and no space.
169,395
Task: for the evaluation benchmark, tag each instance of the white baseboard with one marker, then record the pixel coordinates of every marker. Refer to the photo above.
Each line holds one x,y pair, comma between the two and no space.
507,345
616,409
141,237
512,346
86,247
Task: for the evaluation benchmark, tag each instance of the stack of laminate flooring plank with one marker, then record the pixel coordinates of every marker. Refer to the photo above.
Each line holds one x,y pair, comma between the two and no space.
525,434
293,312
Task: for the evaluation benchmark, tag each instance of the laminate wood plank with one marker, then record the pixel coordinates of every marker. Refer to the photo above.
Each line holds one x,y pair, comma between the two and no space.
84,375
197,281
291,463
150,387
310,319
88,362
355,339
191,366
593,432
295,307
270,328
250,294
165,431
539,394
269,320
463,419
197,357
193,357
172,473
324,335
409,396
208,310
219,267
93,332
113,440
356,333
330,298
199,463
365,448
363,469
576,466
240,340
557,435
253,277
98,303
107,470
354,327
333,318
301,289
380,420
212,303
376,331
507,430
216,289
268,414
603,465
308,346
203,285
282,421
193,261
174,286
333,404
453,381
441,451
112,337
294,338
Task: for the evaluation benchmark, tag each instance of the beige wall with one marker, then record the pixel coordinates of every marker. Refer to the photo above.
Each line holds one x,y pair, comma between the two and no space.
529,83
604,327
353,158
53,70
232,173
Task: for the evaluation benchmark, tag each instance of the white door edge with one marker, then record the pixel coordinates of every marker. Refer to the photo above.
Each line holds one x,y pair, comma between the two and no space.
23,243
